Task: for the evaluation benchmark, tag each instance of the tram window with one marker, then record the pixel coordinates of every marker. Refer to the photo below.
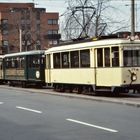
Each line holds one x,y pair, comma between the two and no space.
115,56
0,64
74,57
131,58
135,57
139,58
100,57
56,60
107,57
65,59
16,63
13,63
127,58
6,63
85,58
22,62
34,61
48,61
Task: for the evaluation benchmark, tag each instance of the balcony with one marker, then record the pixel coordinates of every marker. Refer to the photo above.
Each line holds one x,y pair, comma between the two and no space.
52,36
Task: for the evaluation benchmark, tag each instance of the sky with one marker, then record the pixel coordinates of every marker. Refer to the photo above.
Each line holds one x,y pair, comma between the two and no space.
50,5
122,7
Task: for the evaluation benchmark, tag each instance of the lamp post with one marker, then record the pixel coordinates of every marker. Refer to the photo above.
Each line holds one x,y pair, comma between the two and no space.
132,18
20,39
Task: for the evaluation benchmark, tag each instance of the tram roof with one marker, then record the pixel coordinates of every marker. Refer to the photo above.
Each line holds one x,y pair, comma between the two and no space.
97,43
25,53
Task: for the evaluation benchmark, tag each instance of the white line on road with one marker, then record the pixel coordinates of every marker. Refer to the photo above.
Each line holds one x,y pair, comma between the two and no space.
28,109
91,125
1,103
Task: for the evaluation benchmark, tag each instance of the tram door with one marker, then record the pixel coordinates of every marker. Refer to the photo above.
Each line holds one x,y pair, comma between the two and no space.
48,69
36,66
99,74
95,67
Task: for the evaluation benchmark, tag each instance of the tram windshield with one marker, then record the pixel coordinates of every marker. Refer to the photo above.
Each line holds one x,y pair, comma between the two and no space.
131,56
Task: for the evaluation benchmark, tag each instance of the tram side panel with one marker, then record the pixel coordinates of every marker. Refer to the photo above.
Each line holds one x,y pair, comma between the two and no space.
14,70
36,68
109,77
25,68
82,76
131,77
113,72
73,76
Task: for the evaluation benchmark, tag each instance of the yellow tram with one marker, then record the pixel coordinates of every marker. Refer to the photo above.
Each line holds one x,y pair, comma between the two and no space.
108,65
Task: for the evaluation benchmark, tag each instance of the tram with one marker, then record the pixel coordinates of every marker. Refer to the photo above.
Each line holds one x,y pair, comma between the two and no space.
104,65
1,69
24,68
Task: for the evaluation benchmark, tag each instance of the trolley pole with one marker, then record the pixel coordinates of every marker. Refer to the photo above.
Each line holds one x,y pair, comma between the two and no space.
132,18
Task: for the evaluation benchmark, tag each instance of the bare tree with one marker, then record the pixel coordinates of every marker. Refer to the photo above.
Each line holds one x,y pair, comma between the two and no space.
88,18
83,19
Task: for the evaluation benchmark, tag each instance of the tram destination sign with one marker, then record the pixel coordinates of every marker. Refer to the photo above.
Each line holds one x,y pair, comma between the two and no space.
131,48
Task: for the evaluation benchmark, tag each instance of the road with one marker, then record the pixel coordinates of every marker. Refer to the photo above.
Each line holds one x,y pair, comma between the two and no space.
28,115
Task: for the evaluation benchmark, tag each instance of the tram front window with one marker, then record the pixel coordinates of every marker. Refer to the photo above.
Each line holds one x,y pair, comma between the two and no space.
131,58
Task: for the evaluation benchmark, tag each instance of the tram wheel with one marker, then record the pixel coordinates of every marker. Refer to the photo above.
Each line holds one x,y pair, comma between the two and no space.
116,92
24,84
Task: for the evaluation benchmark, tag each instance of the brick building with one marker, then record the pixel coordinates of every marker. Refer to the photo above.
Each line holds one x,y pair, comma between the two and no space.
24,27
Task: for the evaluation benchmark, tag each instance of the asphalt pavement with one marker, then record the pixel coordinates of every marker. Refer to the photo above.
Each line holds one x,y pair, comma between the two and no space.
36,114
130,98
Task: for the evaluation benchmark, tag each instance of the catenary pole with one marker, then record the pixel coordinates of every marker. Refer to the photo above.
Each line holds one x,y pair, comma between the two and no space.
132,17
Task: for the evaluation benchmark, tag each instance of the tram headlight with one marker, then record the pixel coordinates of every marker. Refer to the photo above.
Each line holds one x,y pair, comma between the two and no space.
133,77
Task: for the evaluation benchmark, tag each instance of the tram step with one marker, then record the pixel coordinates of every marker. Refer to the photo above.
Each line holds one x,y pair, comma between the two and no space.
103,89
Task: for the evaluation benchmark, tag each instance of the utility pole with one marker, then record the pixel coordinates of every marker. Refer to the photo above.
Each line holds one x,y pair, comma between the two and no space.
132,18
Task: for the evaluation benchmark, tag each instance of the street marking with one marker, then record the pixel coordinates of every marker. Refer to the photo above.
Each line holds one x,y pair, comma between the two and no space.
1,103
91,125
28,109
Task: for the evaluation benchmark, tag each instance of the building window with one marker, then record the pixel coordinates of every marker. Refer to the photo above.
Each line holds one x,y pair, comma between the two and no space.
23,27
53,42
38,27
28,36
22,15
52,21
28,27
38,45
51,32
4,23
27,14
5,43
38,15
